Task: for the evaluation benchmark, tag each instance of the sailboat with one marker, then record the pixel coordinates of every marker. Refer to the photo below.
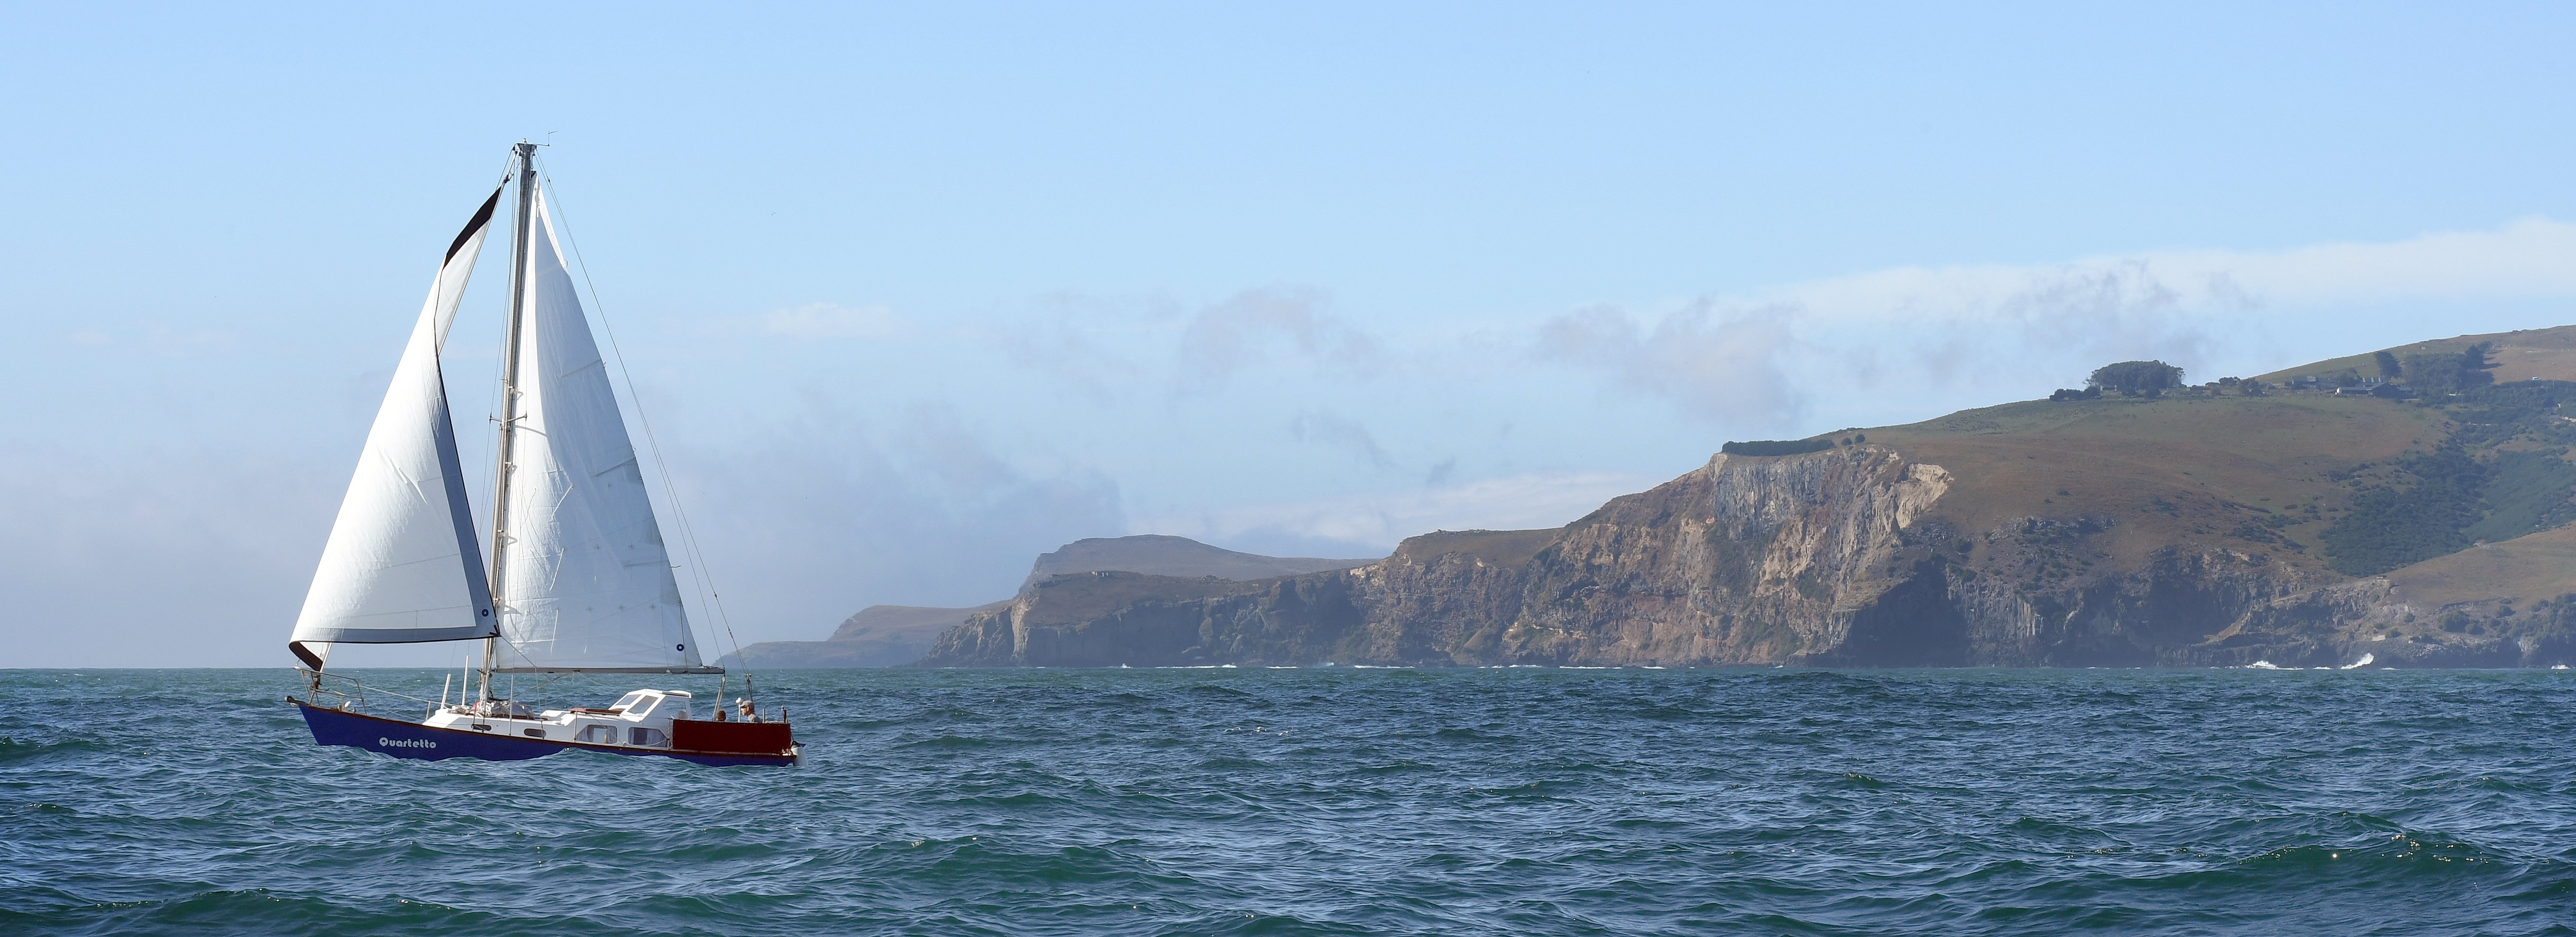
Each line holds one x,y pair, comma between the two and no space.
579,581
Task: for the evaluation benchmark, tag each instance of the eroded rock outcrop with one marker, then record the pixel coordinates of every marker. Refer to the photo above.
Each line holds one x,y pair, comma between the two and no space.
1837,558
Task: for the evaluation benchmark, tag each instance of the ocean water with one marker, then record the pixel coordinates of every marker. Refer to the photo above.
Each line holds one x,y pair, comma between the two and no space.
1333,801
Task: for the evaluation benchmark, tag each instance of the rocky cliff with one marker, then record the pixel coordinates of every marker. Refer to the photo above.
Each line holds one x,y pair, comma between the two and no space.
1163,555
2230,523
1845,557
878,636
894,635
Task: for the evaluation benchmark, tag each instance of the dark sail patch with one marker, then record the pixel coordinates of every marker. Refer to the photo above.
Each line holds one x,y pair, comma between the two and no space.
482,216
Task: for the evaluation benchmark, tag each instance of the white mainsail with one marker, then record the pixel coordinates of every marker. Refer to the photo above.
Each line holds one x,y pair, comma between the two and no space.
403,563
586,584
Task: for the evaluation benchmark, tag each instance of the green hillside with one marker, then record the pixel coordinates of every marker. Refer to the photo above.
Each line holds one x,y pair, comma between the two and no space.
2463,499
2548,354
2259,474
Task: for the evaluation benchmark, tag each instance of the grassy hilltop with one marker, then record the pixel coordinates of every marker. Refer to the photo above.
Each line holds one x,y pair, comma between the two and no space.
2522,354
2258,473
2460,500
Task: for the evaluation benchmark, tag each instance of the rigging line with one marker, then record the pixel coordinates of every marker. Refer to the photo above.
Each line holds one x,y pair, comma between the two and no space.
363,688
697,572
491,420
540,687
688,533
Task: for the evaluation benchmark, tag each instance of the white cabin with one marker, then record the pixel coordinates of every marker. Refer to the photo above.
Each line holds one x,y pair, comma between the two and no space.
640,719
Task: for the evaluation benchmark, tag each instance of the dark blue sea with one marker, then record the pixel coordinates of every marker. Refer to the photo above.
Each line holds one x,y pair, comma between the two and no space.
1332,801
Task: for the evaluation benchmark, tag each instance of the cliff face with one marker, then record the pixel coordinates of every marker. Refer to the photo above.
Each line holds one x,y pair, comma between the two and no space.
1104,619
878,636
1843,557
896,635
1173,556
1748,559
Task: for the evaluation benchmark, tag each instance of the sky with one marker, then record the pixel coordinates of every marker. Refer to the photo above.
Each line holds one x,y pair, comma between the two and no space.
910,294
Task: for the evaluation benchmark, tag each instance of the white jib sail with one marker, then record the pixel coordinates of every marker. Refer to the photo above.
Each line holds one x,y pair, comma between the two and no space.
586,583
403,563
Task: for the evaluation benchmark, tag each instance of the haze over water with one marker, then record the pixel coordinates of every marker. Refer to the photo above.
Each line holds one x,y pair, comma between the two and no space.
1333,801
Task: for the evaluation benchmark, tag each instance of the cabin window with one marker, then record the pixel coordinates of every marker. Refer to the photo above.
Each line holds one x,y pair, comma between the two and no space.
533,733
643,736
597,735
629,699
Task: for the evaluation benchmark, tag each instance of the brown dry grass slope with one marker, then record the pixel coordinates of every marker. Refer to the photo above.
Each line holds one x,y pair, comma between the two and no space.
2167,471
2524,569
2548,354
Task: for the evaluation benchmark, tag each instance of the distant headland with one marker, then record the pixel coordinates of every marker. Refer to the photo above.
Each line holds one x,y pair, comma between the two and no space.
2413,507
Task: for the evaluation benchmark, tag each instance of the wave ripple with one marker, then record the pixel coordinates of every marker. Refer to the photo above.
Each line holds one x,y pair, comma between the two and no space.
1334,801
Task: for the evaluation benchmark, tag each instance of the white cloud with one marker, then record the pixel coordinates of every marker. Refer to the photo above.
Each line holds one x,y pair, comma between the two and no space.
1379,521
1724,365
1764,358
174,556
1325,429
836,510
1093,345
1244,329
2528,258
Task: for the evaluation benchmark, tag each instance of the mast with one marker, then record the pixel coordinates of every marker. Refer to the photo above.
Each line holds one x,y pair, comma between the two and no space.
526,155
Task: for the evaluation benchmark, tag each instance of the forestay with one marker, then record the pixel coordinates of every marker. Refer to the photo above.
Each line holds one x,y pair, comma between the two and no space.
586,584
403,563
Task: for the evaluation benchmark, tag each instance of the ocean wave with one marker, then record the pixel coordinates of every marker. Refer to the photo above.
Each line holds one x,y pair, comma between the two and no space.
16,751
1421,802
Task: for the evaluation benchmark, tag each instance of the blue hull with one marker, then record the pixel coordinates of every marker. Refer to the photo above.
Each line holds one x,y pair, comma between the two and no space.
428,743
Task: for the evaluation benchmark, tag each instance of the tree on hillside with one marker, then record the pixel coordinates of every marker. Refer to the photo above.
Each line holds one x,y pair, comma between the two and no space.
2433,374
2438,373
2132,378
2388,365
2474,366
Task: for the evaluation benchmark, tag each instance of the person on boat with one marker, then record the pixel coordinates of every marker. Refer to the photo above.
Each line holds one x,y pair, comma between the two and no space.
748,714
